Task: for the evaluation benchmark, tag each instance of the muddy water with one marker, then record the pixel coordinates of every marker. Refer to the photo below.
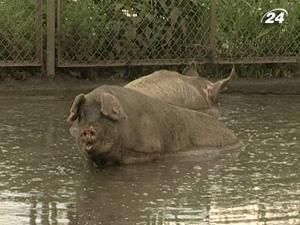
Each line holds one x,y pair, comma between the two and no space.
43,178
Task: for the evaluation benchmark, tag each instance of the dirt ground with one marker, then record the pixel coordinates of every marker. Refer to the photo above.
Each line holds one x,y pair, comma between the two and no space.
57,86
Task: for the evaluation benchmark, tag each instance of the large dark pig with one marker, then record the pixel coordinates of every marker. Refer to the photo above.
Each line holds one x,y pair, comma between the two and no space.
118,125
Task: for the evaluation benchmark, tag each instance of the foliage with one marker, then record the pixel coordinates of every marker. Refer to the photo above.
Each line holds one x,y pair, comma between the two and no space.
17,29
154,30
240,33
127,30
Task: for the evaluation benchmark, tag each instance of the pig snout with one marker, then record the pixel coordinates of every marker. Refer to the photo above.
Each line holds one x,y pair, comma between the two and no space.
88,138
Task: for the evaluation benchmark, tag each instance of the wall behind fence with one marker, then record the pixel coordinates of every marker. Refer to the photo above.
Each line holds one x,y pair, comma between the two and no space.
146,32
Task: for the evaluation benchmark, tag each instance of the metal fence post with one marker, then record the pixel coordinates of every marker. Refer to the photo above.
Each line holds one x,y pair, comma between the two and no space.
213,27
51,37
39,31
58,31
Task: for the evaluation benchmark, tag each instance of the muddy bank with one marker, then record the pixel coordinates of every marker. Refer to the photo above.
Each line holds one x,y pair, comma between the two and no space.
59,85
265,86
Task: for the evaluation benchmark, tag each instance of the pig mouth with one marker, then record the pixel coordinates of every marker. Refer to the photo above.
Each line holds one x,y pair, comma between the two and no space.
102,153
89,148
93,149
100,159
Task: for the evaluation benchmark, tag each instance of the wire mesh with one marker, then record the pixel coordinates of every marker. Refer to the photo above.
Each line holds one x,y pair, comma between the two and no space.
20,34
133,32
143,32
240,33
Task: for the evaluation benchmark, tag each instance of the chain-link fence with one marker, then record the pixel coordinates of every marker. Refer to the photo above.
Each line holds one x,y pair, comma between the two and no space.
20,33
146,32
133,32
241,36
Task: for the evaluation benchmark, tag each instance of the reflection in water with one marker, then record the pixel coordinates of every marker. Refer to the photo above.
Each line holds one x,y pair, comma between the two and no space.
44,180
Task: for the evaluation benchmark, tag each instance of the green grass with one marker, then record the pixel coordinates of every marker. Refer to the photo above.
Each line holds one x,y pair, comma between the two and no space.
94,30
17,30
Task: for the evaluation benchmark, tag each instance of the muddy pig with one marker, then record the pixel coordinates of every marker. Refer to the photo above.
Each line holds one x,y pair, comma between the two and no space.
118,125
192,92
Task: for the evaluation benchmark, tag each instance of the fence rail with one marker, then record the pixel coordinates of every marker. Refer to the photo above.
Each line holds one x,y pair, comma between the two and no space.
91,33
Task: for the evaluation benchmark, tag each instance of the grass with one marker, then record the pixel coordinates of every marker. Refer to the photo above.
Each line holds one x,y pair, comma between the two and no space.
94,30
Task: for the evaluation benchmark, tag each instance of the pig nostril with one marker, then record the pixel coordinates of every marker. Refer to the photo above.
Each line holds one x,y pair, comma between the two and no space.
88,135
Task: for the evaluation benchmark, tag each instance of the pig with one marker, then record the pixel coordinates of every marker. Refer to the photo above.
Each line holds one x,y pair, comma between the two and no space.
117,125
190,91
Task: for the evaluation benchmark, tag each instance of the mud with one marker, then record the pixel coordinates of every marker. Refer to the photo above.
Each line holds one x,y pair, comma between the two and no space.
43,179
265,86
59,85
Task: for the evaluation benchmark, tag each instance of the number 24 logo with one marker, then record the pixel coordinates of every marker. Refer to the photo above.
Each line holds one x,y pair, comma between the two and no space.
274,16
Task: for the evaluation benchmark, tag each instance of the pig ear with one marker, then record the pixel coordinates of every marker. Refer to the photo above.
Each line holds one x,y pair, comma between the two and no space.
191,70
78,101
111,107
215,88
